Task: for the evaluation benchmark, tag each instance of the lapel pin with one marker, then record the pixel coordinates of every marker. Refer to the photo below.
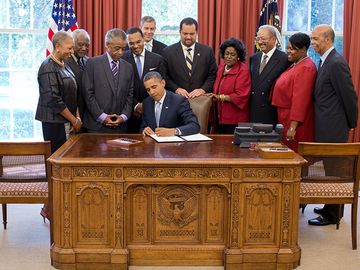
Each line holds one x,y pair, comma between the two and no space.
166,107
198,54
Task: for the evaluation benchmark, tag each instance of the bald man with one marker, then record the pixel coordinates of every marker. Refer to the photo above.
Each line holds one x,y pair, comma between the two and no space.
336,109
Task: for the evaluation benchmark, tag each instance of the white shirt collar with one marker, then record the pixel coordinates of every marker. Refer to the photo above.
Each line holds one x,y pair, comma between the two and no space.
150,43
326,54
141,54
269,54
162,99
185,47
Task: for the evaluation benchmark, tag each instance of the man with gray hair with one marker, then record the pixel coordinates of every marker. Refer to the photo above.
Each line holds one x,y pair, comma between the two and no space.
78,60
108,87
148,27
265,66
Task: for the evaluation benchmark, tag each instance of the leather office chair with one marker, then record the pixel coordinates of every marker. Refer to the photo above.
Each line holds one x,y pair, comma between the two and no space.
24,174
201,108
331,176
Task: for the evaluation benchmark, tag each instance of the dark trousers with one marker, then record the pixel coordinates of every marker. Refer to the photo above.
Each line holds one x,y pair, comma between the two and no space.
55,133
226,128
336,167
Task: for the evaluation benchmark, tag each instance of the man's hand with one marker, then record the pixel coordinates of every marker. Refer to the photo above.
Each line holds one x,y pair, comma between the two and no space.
138,110
148,131
182,92
165,131
76,125
113,120
197,92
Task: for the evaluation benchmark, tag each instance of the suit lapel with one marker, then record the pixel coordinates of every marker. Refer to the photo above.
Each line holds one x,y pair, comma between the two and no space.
164,109
274,61
108,72
322,69
146,63
180,55
196,57
255,67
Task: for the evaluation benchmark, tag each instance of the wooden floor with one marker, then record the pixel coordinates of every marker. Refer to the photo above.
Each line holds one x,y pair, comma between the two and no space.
25,244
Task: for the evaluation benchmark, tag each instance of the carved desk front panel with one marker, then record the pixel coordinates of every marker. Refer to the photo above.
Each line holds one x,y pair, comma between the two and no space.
173,204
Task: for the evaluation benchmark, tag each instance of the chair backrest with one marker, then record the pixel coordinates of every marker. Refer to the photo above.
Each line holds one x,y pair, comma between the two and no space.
23,162
331,163
201,108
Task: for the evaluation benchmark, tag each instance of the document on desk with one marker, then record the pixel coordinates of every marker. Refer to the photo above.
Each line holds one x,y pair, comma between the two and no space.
190,138
196,138
164,139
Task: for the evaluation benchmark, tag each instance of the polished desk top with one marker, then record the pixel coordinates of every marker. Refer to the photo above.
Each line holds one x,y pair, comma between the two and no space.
92,148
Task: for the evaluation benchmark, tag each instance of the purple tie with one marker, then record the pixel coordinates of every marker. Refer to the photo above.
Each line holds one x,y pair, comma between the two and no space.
114,67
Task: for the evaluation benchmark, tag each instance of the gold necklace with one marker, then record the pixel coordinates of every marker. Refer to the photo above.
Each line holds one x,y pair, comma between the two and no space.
302,59
57,61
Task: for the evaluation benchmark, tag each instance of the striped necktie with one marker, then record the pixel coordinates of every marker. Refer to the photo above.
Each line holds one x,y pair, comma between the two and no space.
189,59
114,67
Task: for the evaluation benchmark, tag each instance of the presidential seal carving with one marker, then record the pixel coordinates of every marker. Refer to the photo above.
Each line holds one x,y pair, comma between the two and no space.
177,205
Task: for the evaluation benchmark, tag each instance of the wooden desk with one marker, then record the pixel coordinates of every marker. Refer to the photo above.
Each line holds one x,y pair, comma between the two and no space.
209,203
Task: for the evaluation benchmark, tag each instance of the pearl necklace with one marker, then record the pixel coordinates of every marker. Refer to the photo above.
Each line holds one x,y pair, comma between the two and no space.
57,61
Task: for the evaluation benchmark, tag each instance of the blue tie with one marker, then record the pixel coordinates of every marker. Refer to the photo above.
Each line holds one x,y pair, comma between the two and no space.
138,65
157,112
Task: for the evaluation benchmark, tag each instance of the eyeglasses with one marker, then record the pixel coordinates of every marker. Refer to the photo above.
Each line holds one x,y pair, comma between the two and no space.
261,38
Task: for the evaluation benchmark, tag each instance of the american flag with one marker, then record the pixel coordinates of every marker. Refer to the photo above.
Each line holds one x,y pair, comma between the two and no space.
269,15
62,18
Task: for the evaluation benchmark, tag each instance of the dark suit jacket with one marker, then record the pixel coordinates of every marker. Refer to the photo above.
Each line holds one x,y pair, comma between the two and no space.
153,62
261,110
175,113
204,68
335,100
78,71
103,95
158,47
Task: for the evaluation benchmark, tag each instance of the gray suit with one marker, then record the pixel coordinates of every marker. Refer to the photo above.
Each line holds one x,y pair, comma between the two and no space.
104,93
335,101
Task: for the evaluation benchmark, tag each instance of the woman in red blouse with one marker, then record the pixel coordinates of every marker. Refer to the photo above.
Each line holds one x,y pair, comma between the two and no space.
232,87
293,91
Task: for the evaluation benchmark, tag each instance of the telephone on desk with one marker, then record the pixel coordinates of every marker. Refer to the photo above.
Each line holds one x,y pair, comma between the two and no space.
247,133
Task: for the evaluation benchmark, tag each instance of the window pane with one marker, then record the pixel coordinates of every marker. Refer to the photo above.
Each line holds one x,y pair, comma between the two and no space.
24,88
4,80
321,12
3,13
298,14
24,127
39,50
42,13
338,44
4,52
168,15
167,39
4,124
339,15
20,14
21,50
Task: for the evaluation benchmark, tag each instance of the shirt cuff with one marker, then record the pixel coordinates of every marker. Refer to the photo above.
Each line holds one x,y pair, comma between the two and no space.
123,116
177,132
102,117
